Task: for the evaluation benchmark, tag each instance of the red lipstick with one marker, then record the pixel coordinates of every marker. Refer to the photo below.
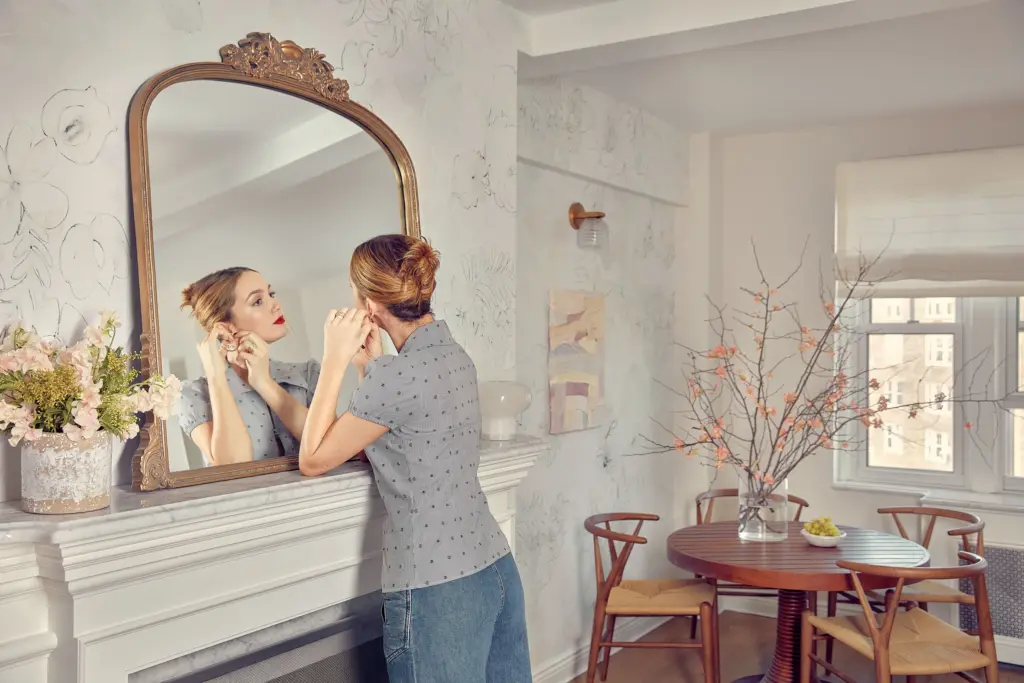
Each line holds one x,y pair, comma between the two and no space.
279,321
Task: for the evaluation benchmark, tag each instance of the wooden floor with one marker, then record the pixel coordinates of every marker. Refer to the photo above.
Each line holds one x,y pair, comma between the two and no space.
747,645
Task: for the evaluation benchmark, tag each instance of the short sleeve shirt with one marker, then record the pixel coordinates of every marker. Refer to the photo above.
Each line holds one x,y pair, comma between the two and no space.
270,437
438,527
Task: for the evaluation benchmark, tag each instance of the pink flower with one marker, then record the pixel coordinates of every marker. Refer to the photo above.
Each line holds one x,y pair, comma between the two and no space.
790,397
969,425
94,336
830,308
769,479
721,371
678,444
722,453
91,397
757,476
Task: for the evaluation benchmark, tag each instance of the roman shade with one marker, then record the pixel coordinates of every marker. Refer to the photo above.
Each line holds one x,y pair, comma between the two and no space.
938,224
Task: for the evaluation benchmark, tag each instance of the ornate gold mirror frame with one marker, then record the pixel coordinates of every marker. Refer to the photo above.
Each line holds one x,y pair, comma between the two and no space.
259,60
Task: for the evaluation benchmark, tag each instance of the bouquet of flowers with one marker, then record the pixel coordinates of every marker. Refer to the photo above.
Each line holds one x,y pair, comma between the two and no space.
76,390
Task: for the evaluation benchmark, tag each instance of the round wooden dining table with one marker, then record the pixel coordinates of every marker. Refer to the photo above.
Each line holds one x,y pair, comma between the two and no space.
792,566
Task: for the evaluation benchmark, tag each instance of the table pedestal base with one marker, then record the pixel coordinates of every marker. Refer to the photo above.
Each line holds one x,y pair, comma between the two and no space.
785,667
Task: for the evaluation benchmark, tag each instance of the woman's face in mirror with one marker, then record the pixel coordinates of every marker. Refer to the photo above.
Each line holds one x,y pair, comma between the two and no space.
256,310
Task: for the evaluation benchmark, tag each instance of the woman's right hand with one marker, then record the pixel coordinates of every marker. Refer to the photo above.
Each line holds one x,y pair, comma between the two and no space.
213,350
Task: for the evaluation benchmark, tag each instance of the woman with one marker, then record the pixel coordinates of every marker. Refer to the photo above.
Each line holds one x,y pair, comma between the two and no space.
247,407
453,601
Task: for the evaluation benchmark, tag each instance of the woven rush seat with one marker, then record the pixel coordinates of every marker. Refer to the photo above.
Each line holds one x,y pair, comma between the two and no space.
921,643
936,590
660,597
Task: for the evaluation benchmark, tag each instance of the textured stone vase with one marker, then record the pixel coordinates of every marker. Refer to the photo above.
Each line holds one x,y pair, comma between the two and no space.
61,476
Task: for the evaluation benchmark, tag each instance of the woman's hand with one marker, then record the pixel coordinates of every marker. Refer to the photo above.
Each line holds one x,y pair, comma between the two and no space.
345,332
371,349
213,350
255,353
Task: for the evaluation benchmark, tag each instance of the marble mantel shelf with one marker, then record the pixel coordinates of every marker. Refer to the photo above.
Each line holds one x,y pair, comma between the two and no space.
130,511
157,577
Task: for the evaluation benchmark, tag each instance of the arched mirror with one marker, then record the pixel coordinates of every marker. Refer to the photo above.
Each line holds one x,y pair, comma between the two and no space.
253,179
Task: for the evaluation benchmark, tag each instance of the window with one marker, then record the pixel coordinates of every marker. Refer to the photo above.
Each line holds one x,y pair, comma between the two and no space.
938,447
939,350
893,440
920,349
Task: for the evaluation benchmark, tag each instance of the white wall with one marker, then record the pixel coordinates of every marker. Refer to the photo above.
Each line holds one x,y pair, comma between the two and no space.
579,145
443,78
778,189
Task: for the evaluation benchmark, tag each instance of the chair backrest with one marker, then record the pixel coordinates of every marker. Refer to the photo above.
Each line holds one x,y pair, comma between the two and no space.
708,497
620,545
974,569
972,533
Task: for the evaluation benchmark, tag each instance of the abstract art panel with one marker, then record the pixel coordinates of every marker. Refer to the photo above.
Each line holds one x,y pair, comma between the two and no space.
576,360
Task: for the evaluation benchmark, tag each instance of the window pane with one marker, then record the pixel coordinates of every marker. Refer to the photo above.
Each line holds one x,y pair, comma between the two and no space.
929,310
1020,360
912,368
1020,309
1018,444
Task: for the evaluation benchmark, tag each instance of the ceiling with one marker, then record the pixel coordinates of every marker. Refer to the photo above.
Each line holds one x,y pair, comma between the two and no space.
551,6
952,58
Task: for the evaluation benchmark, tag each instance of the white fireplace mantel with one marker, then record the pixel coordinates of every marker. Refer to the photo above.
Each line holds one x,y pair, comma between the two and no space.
95,598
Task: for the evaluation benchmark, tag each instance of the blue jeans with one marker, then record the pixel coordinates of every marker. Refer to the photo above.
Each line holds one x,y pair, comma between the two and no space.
470,630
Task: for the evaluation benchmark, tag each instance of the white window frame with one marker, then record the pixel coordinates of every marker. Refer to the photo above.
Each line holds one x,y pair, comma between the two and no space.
980,466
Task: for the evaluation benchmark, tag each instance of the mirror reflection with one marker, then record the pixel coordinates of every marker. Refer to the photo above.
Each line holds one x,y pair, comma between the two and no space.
259,199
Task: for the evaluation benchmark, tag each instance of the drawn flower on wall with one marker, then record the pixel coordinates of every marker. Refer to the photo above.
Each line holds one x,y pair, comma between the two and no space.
488,282
79,123
93,255
355,58
386,21
471,181
183,15
23,194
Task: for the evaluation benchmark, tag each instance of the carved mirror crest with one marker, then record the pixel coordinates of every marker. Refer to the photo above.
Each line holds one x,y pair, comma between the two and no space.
259,165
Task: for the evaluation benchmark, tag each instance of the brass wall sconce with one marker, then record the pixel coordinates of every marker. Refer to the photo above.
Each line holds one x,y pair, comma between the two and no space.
588,230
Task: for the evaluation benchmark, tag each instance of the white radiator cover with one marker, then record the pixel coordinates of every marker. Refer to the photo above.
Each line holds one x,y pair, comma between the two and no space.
1005,580
95,598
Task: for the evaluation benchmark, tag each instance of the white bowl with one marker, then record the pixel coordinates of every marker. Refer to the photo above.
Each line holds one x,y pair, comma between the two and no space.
823,541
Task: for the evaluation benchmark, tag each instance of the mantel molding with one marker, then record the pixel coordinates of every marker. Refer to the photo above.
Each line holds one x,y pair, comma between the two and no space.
204,564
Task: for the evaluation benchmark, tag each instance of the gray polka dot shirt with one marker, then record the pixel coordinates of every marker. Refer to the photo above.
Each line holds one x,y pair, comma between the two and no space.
270,438
438,526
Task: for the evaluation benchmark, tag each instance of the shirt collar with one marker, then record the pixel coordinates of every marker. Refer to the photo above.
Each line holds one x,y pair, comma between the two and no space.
426,336
280,372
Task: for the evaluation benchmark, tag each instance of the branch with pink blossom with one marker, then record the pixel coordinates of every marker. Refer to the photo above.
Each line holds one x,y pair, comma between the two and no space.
740,415
76,390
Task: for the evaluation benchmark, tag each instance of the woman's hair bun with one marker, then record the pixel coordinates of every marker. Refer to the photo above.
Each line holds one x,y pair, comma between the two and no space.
420,265
188,297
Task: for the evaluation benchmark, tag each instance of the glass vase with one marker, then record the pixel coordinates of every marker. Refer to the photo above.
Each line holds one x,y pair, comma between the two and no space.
763,510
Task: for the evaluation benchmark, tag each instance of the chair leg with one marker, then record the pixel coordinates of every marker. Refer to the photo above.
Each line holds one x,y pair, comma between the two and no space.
693,628
608,651
707,642
882,672
992,672
595,642
718,646
812,605
806,644
833,607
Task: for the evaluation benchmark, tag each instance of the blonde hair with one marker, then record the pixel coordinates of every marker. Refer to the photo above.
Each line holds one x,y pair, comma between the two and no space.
396,271
212,296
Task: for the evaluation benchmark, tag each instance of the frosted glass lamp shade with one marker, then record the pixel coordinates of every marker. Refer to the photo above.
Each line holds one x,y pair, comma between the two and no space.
501,404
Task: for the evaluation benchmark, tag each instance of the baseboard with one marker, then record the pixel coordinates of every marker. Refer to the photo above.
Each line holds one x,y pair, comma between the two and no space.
566,667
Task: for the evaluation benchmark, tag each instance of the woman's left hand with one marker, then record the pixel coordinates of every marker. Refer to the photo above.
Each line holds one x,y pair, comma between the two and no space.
345,332
255,353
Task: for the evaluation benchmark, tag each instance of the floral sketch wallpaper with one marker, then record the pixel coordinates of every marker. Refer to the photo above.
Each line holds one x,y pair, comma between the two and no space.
577,144
442,73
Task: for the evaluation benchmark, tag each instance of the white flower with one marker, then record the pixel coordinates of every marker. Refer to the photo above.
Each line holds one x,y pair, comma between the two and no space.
23,195
78,123
109,318
131,431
